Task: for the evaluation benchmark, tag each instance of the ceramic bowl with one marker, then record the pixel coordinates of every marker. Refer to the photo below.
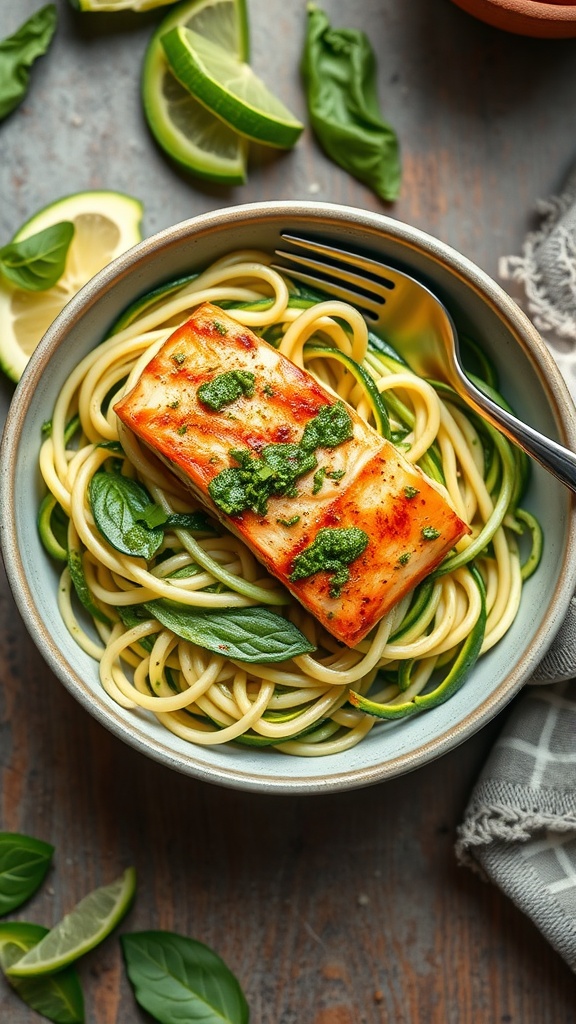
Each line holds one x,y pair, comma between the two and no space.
530,380
526,17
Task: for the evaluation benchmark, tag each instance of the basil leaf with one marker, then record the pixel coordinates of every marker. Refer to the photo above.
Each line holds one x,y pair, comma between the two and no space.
178,979
154,516
24,862
246,634
58,997
118,506
339,72
131,616
37,263
198,522
83,592
17,54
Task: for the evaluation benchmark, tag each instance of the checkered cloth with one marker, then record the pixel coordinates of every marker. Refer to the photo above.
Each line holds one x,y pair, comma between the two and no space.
519,829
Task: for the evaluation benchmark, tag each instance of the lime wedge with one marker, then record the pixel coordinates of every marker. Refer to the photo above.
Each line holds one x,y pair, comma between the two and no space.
84,927
118,5
59,997
183,127
106,224
229,89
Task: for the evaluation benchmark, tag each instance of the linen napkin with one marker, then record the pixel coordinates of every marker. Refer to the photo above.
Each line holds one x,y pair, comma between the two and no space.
519,828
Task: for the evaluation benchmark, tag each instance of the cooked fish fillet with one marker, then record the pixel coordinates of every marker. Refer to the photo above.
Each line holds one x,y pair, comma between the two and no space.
364,489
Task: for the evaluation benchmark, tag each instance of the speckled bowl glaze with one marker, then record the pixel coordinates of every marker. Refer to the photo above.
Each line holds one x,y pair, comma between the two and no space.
530,380
526,17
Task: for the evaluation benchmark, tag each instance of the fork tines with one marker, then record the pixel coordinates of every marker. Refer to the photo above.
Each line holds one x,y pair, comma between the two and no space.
333,273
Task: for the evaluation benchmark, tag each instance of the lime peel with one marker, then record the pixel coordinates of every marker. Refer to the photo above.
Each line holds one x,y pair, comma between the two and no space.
118,5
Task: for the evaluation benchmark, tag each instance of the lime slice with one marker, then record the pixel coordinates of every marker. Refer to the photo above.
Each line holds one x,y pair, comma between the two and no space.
118,5
185,129
84,927
57,997
106,224
229,89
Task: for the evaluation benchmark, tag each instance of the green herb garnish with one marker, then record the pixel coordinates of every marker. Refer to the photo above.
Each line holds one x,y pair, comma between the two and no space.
332,550
37,262
24,862
180,979
18,53
225,388
275,471
318,479
339,72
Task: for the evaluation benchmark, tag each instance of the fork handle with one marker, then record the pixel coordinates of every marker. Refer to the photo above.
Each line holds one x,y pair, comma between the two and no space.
554,457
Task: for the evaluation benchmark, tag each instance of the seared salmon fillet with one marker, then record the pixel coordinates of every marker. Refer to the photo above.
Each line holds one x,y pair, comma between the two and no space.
326,504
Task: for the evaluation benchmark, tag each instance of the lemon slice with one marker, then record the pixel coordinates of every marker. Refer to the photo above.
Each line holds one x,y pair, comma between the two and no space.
106,224
91,920
229,89
183,127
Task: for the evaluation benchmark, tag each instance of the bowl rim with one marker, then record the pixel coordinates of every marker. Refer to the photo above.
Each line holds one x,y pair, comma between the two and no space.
371,223
529,11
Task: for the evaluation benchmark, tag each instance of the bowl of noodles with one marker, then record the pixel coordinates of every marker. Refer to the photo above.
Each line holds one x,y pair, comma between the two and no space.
161,621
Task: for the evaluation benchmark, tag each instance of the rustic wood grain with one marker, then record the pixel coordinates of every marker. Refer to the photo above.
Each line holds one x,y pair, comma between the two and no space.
343,909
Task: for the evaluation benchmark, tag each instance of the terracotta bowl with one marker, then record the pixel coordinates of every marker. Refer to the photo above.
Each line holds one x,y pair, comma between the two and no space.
526,17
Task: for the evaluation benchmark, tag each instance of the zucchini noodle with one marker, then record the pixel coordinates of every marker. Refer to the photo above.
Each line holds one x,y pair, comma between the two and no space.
314,703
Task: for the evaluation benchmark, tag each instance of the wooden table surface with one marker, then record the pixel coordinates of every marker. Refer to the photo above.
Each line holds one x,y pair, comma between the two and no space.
340,909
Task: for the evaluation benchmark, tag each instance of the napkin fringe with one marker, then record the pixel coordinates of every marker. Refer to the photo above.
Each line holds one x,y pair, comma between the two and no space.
526,812
500,824
548,316
546,267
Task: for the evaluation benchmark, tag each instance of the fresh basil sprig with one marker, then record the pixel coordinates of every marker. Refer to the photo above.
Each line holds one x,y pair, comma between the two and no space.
24,862
246,634
118,506
339,72
176,978
130,521
17,54
196,521
37,262
58,997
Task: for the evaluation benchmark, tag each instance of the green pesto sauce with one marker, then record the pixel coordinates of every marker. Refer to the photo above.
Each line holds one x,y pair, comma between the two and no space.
329,428
332,550
318,479
275,471
289,522
226,388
